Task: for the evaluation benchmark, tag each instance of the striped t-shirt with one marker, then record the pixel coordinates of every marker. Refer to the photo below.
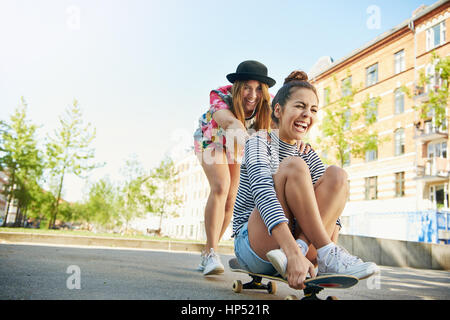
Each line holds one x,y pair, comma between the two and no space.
256,186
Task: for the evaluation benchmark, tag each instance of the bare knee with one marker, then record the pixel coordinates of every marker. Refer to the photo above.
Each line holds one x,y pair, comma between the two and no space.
220,189
294,166
337,179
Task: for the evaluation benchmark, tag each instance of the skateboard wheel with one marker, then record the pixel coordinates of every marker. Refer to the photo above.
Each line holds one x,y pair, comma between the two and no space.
291,297
272,287
332,298
237,286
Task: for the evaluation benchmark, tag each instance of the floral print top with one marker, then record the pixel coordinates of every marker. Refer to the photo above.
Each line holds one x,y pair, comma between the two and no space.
209,133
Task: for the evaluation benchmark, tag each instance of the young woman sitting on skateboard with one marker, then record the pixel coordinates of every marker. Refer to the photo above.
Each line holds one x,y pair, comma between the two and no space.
287,201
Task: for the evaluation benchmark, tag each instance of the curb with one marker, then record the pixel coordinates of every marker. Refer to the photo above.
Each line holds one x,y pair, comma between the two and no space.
108,242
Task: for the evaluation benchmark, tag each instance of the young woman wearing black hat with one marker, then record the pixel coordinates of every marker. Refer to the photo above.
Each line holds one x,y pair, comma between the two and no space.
234,109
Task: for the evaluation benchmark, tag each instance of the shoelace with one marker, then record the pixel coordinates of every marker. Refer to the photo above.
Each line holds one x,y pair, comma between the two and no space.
345,257
212,255
342,255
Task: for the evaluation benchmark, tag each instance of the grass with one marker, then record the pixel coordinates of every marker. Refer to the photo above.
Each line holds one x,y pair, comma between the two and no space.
93,234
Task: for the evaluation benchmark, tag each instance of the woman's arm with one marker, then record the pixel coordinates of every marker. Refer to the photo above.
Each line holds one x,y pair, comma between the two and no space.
262,187
298,266
226,119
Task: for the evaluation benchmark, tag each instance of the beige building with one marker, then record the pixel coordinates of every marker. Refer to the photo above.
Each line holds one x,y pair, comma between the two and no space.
409,171
397,189
193,187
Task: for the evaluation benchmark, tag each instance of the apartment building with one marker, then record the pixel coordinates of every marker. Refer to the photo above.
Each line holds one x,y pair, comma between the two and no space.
193,187
398,188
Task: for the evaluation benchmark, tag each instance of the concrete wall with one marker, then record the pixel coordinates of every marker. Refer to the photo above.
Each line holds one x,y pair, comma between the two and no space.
398,253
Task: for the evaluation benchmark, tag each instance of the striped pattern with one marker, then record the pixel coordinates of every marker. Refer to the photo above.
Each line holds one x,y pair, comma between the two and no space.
256,187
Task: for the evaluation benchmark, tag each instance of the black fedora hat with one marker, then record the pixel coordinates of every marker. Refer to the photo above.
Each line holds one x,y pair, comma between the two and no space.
251,70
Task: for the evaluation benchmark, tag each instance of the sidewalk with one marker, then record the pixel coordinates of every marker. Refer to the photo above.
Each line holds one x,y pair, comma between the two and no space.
111,242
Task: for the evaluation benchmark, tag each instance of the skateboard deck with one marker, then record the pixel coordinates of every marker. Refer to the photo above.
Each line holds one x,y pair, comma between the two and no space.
313,285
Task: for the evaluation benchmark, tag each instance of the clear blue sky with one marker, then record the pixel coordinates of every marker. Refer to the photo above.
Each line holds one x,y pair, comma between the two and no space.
142,69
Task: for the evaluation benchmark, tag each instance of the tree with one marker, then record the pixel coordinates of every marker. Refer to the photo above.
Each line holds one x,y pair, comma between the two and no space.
20,159
438,93
130,192
340,133
68,152
101,206
164,200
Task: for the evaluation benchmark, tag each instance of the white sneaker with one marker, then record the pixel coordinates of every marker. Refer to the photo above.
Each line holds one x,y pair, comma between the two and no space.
213,265
278,260
339,261
203,257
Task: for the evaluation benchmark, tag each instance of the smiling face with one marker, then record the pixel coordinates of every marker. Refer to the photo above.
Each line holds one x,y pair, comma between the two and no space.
251,95
298,114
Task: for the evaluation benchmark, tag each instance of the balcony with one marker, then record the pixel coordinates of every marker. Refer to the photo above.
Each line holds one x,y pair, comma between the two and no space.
426,131
420,95
433,169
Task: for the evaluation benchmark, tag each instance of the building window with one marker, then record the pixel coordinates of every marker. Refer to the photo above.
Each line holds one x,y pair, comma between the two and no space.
399,142
400,184
439,196
435,36
399,61
399,101
438,149
371,112
372,75
347,118
371,188
346,86
371,155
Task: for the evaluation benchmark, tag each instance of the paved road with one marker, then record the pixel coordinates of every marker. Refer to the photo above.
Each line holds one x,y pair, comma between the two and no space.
40,272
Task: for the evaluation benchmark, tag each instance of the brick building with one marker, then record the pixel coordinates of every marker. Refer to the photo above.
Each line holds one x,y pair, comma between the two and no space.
409,171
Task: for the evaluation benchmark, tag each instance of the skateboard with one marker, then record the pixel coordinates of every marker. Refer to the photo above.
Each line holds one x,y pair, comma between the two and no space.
313,285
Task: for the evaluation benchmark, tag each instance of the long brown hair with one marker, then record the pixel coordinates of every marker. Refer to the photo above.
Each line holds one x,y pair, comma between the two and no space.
263,109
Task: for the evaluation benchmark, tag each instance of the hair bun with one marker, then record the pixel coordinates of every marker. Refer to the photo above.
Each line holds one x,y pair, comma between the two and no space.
296,75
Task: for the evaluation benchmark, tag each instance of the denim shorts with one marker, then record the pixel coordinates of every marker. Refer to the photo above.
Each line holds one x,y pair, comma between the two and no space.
247,258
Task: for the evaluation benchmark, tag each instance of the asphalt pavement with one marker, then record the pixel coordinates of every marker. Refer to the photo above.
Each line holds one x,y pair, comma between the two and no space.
41,272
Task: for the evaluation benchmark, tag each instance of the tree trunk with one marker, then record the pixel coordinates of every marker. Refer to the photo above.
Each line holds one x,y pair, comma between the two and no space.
9,199
55,210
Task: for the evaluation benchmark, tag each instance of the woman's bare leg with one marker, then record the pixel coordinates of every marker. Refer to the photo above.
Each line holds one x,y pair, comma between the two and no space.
234,169
296,194
331,192
218,174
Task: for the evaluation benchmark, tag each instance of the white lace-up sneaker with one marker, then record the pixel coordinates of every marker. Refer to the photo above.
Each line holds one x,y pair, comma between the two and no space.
203,259
212,264
278,260
339,261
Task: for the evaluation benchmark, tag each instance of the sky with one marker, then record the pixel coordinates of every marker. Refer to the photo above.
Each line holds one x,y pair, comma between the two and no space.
142,70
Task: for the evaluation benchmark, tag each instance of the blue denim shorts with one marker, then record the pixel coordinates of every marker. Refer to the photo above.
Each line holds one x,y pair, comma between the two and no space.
247,258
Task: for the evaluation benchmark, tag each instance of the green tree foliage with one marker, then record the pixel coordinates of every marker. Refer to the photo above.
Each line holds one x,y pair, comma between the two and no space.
130,192
101,206
21,160
349,131
438,94
164,200
69,151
